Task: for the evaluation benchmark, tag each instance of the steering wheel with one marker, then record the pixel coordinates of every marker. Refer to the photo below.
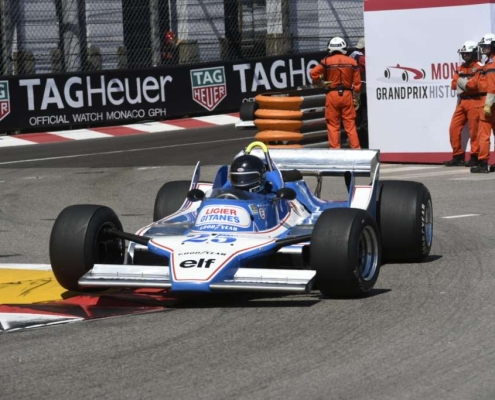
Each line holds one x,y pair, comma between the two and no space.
229,196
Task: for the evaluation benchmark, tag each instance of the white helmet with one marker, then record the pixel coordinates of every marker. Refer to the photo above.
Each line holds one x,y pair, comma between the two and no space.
487,39
468,47
337,44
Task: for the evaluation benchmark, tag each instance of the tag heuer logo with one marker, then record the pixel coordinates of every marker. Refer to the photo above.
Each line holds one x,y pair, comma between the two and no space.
208,86
4,99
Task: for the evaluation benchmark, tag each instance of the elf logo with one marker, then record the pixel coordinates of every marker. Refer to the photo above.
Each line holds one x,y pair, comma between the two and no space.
4,99
209,86
201,263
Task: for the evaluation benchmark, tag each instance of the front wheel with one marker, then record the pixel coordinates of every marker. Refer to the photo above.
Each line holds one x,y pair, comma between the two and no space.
345,251
79,241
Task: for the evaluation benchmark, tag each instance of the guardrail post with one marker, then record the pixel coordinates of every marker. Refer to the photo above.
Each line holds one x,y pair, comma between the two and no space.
121,57
24,63
189,52
279,37
94,59
56,60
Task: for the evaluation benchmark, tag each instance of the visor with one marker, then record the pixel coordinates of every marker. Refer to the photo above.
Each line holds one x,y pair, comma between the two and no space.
245,179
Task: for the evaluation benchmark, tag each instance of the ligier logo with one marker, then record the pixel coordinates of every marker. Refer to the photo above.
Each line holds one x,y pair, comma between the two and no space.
228,215
208,86
4,99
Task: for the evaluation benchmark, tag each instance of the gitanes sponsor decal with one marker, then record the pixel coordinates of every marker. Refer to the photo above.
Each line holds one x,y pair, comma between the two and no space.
411,82
209,86
228,215
4,99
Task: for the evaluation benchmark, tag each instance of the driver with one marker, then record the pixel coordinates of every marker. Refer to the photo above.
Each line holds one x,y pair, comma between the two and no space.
247,172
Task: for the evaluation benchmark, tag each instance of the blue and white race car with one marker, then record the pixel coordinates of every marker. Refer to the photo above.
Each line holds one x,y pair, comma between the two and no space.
213,237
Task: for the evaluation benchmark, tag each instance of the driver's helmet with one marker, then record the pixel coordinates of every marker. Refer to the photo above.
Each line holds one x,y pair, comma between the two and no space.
247,172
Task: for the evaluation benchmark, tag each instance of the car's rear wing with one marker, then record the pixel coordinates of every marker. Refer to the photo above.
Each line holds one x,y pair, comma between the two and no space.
325,162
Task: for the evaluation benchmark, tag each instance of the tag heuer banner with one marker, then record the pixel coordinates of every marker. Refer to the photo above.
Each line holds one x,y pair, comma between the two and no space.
4,99
47,102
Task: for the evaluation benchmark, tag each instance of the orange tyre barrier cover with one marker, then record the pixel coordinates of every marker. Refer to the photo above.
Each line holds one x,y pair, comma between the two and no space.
279,102
278,124
276,136
278,114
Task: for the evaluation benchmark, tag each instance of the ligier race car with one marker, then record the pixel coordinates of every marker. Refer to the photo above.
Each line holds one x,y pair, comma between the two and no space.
214,237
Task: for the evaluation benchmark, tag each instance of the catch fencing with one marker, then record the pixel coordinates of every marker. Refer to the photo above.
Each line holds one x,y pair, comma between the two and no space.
52,36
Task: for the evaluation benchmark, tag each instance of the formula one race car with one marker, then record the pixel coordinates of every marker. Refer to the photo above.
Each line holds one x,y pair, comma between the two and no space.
220,237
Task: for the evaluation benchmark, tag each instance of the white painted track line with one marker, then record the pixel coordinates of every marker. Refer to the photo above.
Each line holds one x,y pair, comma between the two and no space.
461,216
457,171
37,267
405,169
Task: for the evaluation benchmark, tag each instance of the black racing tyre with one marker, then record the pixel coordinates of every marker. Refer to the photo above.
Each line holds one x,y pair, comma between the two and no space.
405,218
345,251
169,198
78,241
247,110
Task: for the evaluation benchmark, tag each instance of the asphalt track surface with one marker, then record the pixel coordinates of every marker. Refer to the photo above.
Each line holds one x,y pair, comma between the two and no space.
425,332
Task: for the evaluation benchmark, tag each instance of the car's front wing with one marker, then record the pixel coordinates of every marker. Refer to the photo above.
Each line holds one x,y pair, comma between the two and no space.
245,279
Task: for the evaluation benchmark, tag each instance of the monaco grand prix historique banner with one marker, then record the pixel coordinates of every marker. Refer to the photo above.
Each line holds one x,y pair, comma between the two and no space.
411,56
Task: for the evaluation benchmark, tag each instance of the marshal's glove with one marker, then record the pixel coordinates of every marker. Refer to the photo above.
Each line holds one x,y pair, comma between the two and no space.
324,84
490,100
488,110
356,100
461,83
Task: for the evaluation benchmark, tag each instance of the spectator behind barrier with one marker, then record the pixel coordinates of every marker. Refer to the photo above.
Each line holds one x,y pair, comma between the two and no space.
170,49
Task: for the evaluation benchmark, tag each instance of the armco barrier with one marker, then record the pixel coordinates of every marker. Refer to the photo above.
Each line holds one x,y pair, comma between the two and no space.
291,119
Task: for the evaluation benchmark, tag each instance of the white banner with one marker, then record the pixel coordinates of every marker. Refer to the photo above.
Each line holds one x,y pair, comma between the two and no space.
411,55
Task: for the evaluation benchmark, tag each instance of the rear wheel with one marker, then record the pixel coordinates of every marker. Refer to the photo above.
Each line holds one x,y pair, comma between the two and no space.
345,252
247,110
79,240
405,219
